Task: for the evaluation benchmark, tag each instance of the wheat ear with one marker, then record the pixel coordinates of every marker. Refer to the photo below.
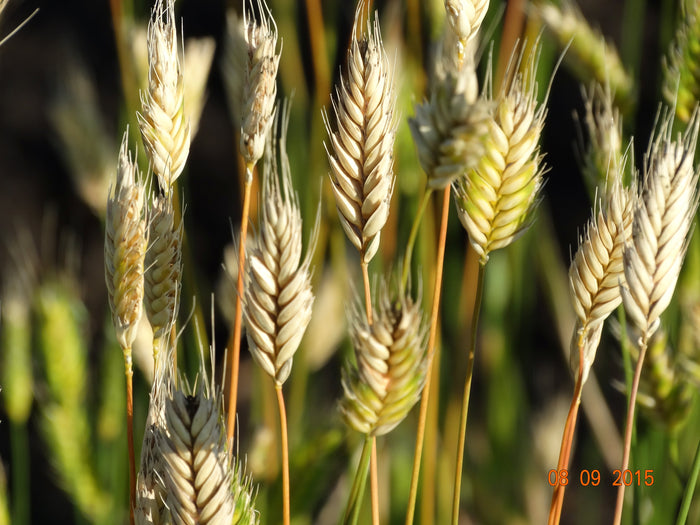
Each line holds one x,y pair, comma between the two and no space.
681,82
465,18
125,250
163,272
654,255
164,126
197,468
360,152
496,197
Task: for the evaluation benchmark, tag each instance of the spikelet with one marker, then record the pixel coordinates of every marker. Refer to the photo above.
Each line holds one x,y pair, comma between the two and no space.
465,18
681,82
597,269
603,123
196,464
163,268
391,364
278,297
589,55
360,152
448,128
164,127
125,248
259,88
495,198
654,254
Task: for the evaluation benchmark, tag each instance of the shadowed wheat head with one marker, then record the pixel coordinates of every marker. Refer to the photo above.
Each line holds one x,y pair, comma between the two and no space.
361,151
278,296
654,253
496,197
163,123
391,365
125,248
259,87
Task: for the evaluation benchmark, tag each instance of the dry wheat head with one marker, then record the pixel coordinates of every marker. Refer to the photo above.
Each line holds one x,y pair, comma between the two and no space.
163,122
465,18
259,87
495,198
197,469
361,151
596,271
125,248
163,267
391,364
278,297
654,253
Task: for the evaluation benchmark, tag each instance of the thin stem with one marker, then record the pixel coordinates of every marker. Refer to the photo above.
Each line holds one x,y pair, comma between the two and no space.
286,513
467,393
357,492
412,237
629,425
128,371
567,442
234,343
368,292
689,489
425,397
374,482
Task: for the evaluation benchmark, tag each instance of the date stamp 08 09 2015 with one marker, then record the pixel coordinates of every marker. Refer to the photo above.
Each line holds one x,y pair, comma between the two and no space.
593,478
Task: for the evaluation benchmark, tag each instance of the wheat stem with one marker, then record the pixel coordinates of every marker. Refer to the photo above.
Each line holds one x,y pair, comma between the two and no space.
235,341
689,489
420,431
412,237
129,373
467,393
286,514
374,482
629,426
567,441
352,511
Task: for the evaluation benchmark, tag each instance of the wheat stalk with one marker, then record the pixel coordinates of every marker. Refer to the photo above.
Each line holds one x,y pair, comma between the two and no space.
197,469
278,296
163,270
164,125
259,87
360,152
496,197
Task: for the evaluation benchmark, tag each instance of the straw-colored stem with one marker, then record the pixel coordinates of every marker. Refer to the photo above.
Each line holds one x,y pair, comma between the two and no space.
374,482
286,512
567,442
412,238
689,489
425,397
129,373
629,425
368,292
357,492
235,341
467,393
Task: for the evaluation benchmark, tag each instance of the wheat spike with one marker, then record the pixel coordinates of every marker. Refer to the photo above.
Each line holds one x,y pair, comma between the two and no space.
465,18
163,267
654,254
361,150
494,199
259,87
391,365
197,469
681,82
597,268
125,248
278,297
163,122
589,55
